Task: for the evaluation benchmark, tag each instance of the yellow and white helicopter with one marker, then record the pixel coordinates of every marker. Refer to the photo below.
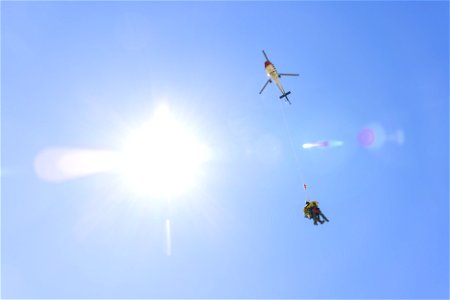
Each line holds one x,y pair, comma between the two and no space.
274,75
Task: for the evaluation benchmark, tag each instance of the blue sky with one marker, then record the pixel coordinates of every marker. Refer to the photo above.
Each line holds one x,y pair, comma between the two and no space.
78,74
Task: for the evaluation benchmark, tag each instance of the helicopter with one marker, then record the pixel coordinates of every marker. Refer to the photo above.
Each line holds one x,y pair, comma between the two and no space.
275,76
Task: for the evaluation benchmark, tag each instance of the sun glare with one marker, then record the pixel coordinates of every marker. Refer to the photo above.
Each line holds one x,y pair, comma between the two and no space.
162,158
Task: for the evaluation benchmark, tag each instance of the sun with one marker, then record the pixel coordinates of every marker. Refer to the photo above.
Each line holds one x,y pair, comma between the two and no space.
162,158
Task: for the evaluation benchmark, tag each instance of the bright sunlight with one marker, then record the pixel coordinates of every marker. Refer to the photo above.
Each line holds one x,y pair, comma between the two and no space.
162,158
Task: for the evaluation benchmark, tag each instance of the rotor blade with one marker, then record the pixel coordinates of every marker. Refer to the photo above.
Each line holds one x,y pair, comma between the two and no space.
287,74
268,81
265,55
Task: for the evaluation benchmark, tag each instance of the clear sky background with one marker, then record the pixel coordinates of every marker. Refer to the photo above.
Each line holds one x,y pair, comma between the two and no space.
78,74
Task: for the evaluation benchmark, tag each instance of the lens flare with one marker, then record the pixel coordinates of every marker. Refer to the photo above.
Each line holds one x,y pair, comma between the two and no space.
374,136
60,164
323,144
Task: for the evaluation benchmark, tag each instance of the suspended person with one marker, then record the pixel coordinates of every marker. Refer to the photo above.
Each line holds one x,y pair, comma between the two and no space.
307,210
312,211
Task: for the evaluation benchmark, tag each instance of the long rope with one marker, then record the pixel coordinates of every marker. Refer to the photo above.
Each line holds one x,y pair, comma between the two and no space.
297,161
